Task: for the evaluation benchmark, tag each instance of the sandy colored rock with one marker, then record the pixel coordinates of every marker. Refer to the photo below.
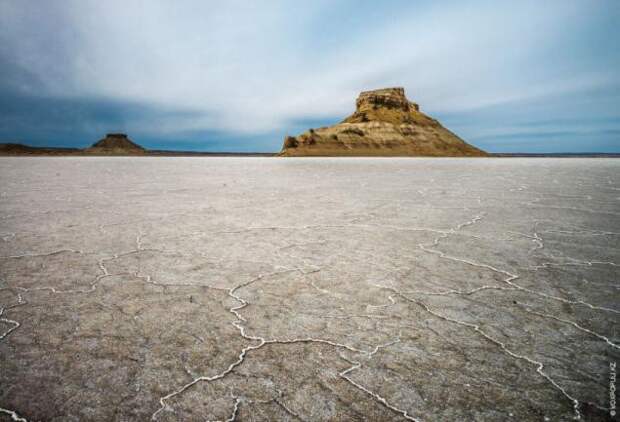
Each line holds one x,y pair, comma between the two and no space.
385,123
115,143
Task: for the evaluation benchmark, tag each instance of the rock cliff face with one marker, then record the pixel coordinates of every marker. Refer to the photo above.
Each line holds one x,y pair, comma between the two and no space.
385,123
115,143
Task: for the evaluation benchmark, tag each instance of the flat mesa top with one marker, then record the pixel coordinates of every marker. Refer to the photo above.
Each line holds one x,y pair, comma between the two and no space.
385,91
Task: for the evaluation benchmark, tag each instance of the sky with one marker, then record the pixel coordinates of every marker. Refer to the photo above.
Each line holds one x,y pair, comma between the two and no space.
506,76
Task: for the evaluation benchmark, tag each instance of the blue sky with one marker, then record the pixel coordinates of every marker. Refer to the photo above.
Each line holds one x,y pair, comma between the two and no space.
527,76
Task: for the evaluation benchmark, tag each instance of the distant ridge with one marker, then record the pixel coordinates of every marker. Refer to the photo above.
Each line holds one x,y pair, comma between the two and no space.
115,145
557,154
17,149
14,148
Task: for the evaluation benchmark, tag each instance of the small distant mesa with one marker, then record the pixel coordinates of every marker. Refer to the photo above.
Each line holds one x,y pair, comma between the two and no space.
385,123
115,144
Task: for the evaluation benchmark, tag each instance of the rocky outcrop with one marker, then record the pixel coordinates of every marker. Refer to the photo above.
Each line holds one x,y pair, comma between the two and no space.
115,143
384,123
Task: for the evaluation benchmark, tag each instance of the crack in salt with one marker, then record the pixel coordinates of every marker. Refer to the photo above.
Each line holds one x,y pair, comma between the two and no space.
502,346
385,305
377,397
15,324
509,280
14,416
263,342
32,255
565,321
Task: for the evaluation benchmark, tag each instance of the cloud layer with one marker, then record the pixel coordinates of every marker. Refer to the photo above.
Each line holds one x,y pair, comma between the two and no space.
526,76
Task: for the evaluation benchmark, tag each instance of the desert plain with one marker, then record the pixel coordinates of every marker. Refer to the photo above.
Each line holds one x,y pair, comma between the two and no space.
262,289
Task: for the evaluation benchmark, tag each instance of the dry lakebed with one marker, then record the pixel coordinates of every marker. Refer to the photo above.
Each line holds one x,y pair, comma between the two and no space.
310,289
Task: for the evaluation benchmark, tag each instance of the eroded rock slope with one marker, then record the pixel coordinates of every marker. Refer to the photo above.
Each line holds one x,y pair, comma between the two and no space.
385,123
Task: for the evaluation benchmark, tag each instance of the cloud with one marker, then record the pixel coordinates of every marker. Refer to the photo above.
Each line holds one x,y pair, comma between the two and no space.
260,68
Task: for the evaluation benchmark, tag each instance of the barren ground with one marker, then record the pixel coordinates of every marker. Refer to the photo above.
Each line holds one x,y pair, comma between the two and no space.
182,289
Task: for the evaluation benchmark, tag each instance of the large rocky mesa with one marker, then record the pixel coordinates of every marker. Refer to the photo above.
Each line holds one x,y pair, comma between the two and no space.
385,123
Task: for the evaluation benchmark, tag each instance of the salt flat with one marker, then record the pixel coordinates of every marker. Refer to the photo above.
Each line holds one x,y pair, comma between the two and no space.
308,289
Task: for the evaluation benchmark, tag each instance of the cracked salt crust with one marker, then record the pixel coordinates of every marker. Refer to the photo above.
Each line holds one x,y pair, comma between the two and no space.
312,289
